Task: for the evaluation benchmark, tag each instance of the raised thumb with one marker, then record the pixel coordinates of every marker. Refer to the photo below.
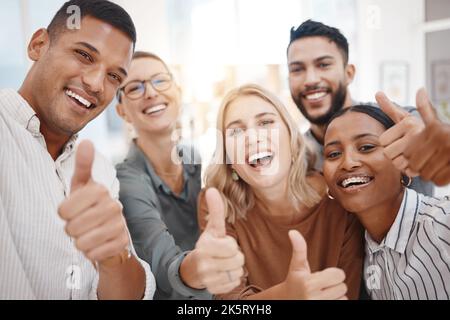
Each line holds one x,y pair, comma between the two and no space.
216,217
83,165
394,112
426,110
299,260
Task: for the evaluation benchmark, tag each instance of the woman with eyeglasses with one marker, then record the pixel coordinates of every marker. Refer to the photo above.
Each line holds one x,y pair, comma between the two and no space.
159,186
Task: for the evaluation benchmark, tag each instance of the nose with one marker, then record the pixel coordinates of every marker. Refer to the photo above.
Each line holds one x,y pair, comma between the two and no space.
350,161
312,77
150,92
94,80
254,136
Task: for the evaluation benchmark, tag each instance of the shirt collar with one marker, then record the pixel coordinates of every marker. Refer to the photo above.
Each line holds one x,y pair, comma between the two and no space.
20,110
138,158
398,235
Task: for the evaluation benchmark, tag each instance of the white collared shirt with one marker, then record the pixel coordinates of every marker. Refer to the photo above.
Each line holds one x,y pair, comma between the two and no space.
38,260
413,261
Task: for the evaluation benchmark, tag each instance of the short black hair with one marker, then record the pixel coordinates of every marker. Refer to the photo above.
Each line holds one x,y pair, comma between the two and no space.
371,110
103,10
311,28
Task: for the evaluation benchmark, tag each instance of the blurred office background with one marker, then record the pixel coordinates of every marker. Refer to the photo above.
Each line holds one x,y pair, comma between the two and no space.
214,45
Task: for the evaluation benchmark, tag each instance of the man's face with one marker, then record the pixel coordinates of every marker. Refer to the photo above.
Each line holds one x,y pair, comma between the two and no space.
318,78
77,74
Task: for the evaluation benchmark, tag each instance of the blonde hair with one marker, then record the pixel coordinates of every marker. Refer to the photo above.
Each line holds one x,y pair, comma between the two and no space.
238,195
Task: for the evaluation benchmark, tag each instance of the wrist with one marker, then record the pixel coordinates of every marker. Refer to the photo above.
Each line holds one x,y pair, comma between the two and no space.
189,271
117,260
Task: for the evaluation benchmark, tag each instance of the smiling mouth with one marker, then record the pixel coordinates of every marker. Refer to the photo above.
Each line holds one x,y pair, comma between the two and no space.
79,100
355,182
314,96
261,159
155,109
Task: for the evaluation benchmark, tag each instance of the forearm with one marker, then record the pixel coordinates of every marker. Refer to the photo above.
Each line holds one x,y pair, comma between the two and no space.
122,282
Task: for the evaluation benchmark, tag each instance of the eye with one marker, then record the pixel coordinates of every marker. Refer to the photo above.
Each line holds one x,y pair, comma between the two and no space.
160,81
116,77
333,155
296,69
324,65
84,55
232,132
134,88
266,122
366,148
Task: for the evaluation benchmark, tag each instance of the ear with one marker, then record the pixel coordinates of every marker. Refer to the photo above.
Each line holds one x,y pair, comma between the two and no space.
121,112
39,44
350,71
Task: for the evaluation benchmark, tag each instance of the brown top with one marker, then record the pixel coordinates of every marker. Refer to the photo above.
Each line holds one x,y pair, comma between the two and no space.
334,238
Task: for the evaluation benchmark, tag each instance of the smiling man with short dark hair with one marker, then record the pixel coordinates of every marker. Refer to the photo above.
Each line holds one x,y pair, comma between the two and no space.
319,77
63,235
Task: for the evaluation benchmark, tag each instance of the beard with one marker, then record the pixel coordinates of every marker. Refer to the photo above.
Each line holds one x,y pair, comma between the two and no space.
337,103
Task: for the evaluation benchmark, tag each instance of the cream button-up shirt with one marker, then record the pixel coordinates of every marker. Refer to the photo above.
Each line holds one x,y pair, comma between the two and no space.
38,260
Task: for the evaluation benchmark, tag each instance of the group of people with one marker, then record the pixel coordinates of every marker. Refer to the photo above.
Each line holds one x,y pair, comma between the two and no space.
345,211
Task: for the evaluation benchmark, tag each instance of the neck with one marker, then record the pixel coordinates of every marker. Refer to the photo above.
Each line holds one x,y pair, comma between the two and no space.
158,149
378,220
319,130
275,200
55,141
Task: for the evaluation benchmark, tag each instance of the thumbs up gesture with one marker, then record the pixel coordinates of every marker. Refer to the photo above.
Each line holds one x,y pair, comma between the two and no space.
93,218
300,283
396,139
218,259
429,153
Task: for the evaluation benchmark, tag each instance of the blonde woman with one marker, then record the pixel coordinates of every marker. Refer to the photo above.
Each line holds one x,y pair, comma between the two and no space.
276,206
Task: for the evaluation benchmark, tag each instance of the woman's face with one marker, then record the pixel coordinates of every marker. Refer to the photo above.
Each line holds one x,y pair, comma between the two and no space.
257,142
356,170
156,111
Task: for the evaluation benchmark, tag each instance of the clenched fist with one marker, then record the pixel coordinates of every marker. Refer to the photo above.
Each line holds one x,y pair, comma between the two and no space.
216,263
94,219
301,284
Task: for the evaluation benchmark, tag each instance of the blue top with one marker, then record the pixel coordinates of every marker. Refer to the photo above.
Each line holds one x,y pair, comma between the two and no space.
163,225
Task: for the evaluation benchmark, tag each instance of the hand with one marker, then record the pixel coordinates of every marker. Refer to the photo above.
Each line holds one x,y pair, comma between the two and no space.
93,219
300,283
429,155
396,139
218,257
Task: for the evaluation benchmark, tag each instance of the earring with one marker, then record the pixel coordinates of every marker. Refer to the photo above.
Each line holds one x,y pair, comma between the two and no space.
329,195
234,175
402,181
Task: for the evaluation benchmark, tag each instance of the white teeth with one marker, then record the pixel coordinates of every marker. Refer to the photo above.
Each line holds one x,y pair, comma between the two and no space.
259,156
86,103
361,180
155,109
316,95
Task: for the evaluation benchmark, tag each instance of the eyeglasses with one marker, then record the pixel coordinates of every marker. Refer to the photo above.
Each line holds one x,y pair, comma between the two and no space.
137,89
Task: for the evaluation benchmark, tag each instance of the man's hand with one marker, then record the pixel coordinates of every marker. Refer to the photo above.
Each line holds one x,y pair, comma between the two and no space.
94,219
300,283
398,138
429,153
218,259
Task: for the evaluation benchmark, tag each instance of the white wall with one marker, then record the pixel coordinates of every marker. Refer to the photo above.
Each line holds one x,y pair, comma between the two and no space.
152,25
397,37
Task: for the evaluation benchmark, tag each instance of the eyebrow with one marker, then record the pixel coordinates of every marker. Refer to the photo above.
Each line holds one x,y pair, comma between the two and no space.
95,50
357,137
259,115
315,60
